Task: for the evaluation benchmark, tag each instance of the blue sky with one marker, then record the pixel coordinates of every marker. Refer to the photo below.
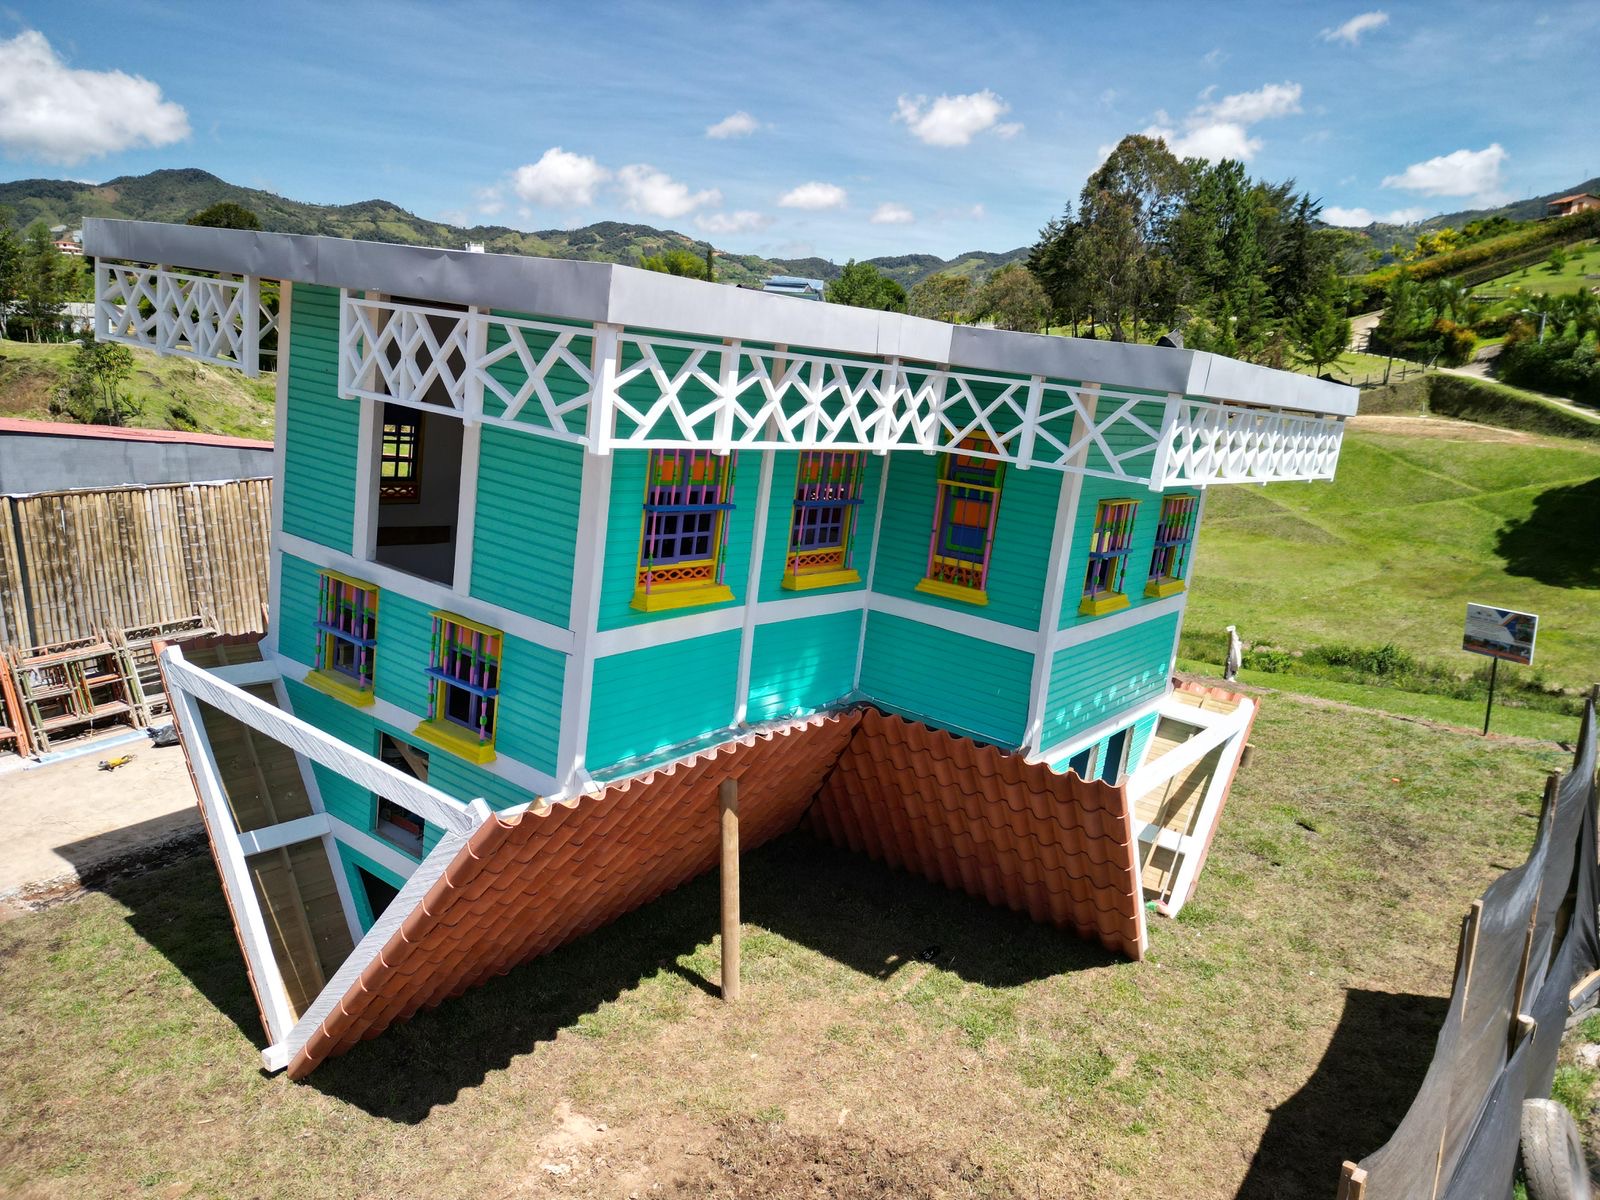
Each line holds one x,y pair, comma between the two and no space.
801,128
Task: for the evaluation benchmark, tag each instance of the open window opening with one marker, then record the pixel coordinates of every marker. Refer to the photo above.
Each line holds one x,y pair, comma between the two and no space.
379,894
394,823
418,491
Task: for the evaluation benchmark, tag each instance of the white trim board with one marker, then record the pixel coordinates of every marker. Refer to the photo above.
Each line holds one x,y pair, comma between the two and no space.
280,460
1099,627
374,848
1095,733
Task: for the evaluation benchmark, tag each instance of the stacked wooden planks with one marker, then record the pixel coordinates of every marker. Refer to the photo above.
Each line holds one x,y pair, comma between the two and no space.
73,563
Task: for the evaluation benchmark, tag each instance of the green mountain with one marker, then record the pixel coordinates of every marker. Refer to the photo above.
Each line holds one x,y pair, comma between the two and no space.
1382,235
176,195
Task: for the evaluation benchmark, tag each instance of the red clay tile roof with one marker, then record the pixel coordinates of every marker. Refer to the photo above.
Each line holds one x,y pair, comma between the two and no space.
989,824
521,888
123,434
966,815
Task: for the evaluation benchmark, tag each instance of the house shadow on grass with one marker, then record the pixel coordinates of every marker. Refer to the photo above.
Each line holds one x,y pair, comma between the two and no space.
841,905
1361,1090
1555,543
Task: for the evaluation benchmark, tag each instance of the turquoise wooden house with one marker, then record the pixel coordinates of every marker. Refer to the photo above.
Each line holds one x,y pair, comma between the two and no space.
545,525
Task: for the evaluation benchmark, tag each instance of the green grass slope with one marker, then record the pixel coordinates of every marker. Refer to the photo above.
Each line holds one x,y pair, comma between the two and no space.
1582,270
173,392
1413,528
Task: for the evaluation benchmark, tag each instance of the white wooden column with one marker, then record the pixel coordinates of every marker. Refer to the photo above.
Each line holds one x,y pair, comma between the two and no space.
747,637
280,450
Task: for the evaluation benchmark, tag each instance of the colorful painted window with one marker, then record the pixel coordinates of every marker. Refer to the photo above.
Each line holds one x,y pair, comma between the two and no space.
688,496
347,637
827,494
1169,563
464,686
964,515
400,456
1103,583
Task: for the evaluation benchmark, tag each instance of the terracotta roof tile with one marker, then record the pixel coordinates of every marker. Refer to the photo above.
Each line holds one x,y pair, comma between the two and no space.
990,824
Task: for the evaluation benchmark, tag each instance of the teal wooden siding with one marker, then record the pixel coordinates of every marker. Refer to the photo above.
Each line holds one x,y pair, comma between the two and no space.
646,700
405,629
1093,682
296,617
528,720
623,530
352,860
802,666
1142,731
780,520
945,679
1145,521
1023,533
466,782
319,471
526,530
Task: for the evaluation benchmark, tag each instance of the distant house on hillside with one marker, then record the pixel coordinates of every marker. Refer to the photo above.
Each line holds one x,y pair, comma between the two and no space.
794,285
1567,206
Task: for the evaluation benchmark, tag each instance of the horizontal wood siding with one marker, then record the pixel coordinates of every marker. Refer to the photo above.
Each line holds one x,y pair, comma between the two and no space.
457,777
1142,730
295,620
780,522
1023,534
528,719
320,444
802,666
646,700
527,523
1093,682
405,627
624,527
942,678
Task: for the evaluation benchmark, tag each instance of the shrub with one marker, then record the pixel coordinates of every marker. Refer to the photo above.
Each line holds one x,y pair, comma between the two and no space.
1386,662
1562,366
1277,662
1490,404
1455,342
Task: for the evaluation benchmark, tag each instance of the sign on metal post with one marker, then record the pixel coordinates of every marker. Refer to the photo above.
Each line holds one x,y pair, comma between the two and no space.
1500,633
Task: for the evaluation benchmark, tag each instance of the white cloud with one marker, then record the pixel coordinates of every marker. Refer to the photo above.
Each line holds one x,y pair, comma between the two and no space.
1214,57
1218,129
890,213
1247,108
1350,32
814,196
1460,173
954,120
743,221
490,201
559,179
739,124
1355,218
1009,130
977,212
52,112
656,194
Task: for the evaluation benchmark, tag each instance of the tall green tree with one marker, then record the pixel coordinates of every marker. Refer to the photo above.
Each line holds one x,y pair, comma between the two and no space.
45,279
711,266
96,389
10,270
226,214
942,297
1012,299
1124,254
1054,263
1320,333
862,285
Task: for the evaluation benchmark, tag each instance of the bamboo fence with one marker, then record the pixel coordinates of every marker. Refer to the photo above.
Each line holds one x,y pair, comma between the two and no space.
73,564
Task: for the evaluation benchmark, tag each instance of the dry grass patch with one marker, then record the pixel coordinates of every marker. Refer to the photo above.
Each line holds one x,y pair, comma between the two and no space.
895,1039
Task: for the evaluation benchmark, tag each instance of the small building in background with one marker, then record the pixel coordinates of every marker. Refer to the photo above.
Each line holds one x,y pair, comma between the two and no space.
794,285
1567,206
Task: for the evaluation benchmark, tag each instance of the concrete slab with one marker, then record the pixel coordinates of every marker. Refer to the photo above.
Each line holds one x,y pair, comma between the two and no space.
65,820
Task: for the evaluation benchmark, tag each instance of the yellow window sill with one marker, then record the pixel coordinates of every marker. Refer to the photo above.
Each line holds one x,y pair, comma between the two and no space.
953,591
456,740
807,580
332,685
660,599
1160,589
1099,606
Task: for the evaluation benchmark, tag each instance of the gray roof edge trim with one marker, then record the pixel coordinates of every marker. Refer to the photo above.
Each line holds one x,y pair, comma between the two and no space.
578,290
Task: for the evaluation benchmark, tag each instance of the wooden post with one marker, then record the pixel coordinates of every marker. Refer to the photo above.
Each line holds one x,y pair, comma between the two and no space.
1352,1182
728,794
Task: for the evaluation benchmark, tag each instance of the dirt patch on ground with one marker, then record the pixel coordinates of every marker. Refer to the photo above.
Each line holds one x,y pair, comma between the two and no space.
1437,427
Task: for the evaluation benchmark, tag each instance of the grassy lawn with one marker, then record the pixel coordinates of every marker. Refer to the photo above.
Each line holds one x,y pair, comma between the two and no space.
895,1039
1411,529
1583,260
215,399
1361,369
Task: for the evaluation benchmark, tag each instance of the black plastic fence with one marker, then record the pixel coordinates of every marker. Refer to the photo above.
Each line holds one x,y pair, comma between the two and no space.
1525,946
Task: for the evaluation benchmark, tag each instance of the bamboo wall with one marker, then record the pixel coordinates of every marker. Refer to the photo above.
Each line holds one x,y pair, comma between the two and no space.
76,563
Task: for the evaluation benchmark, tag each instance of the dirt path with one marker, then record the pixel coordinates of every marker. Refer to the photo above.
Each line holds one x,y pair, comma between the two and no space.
1361,329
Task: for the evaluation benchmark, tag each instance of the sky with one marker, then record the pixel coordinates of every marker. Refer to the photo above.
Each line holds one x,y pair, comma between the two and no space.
792,129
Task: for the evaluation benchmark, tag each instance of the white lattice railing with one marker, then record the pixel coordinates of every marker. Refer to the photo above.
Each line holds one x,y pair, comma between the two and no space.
606,387
219,320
